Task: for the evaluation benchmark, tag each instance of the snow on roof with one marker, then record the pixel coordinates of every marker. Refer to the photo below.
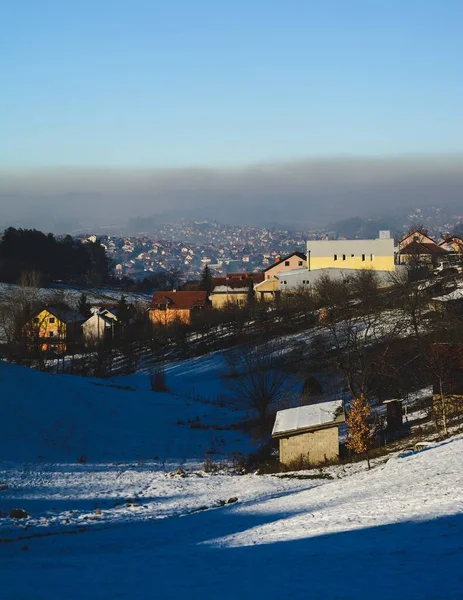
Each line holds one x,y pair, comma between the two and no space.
304,417
296,271
230,289
455,295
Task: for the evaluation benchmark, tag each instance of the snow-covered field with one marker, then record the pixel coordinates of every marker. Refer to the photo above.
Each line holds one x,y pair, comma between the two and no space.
49,417
127,523
393,532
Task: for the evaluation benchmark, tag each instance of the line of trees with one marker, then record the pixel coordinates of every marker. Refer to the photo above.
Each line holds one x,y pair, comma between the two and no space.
70,260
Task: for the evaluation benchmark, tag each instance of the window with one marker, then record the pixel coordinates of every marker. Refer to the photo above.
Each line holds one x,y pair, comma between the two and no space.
51,334
363,257
51,320
335,257
352,255
343,257
286,263
372,257
299,263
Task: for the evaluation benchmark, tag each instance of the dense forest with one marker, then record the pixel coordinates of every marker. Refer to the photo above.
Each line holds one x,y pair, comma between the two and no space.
68,260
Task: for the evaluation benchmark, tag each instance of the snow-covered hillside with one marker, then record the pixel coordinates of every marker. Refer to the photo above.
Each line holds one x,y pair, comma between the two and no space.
393,532
72,294
123,522
62,417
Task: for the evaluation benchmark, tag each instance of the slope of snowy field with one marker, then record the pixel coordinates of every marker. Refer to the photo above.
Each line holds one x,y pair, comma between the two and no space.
393,532
49,417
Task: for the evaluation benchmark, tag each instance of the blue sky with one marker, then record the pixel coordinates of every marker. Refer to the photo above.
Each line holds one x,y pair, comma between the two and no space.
148,83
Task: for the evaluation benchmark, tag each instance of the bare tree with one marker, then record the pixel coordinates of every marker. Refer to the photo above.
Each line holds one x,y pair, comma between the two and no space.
17,310
444,364
258,376
360,330
174,278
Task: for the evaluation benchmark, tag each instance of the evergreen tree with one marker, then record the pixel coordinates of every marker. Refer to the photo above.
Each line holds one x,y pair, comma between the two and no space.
359,433
84,307
98,272
206,283
251,293
66,259
123,311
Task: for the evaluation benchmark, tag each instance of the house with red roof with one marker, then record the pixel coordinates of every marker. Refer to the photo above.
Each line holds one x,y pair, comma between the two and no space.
418,247
169,307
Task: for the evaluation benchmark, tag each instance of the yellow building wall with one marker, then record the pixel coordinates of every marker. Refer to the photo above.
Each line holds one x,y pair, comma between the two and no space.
267,290
379,263
169,317
221,300
45,325
270,285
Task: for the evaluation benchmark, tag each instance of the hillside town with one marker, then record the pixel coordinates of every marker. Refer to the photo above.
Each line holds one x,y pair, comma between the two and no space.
187,246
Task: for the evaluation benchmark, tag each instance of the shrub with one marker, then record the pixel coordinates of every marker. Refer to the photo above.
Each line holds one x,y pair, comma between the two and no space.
18,513
158,380
210,466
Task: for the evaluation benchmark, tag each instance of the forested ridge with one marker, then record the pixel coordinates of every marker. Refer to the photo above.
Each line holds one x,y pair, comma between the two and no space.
66,259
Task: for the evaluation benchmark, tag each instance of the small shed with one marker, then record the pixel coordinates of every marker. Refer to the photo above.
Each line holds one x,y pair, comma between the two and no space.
394,414
310,432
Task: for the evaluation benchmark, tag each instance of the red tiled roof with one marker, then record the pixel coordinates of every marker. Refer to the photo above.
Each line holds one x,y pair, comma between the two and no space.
185,300
232,283
422,248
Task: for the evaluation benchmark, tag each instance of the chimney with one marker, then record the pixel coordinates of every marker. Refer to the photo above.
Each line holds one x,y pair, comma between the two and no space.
277,258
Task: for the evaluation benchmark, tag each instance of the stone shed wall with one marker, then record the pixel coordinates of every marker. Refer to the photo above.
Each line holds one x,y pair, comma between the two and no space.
316,446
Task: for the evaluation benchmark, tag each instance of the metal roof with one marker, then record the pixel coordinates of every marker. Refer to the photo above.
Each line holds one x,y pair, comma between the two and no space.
307,417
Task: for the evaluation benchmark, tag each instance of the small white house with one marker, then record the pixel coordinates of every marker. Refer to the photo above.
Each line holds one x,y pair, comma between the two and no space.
100,325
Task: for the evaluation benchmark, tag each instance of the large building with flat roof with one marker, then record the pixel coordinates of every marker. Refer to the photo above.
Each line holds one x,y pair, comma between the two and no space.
377,255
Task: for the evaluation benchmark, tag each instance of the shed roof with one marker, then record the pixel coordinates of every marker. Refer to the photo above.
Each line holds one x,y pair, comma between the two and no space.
312,416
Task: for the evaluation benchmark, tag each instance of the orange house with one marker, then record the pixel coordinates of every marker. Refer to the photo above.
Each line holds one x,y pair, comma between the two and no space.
168,308
296,260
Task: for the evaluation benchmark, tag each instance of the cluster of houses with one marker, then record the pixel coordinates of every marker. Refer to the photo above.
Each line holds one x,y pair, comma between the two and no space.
189,246
57,325
299,271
